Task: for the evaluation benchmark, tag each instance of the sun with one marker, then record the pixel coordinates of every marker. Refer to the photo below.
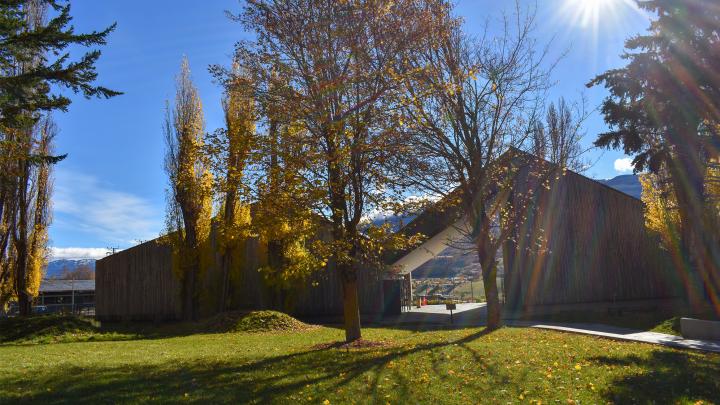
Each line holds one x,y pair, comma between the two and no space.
591,13
588,13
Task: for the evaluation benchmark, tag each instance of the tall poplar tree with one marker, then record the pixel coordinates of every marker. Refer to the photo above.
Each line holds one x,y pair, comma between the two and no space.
557,139
190,190
231,149
286,202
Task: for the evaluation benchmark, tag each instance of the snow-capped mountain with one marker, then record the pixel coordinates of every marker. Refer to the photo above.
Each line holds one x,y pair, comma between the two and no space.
55,268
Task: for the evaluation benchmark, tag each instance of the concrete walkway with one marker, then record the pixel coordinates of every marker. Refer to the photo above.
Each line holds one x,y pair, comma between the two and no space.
470,315
625,334
436,315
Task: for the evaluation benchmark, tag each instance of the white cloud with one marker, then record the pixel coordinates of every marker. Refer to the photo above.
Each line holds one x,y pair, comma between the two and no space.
57,253
84,204
624,165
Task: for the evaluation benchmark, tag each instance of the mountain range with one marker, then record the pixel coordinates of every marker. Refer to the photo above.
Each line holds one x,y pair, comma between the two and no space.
627,183
55,267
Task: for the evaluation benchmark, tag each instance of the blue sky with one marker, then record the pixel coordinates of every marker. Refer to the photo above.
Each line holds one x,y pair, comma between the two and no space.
110,189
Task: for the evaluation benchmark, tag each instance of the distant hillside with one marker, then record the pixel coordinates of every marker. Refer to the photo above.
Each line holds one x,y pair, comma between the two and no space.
56,267
627,183
451,262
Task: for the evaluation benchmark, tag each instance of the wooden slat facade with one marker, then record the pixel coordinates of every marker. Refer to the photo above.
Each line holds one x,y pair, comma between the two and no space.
139,284
584,242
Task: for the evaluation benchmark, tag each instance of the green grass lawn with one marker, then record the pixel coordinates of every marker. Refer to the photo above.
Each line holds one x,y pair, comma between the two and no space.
136,364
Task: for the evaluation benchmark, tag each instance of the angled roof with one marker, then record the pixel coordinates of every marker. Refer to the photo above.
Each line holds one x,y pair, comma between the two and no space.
442,223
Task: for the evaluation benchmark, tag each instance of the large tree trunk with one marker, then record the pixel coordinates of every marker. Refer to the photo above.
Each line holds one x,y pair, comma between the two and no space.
190,267
488,264
344,232
21,244
226,260
24,299
351,306
487,255
24,303
351,302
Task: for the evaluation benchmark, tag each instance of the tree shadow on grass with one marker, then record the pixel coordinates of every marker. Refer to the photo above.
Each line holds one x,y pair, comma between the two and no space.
673,376
322,373
59,328
43,329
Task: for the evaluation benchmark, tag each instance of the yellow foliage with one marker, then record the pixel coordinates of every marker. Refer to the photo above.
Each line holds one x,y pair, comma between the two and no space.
189,211
37,260
661,210
298,254
661,214
231,235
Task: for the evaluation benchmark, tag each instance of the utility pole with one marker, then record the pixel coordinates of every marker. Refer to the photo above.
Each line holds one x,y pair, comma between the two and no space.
72,308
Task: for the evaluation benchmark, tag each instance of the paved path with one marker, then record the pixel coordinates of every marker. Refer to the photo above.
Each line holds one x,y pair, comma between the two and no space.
470,315
625,334
437,315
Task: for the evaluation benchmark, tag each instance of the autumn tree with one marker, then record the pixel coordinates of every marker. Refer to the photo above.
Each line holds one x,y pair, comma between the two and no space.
664,108
25,244
342,62
230,149
35,66
474,100
189,208
285,216
662,215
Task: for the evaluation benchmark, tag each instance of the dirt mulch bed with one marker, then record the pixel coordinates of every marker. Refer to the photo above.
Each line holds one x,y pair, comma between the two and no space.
356,344
257,321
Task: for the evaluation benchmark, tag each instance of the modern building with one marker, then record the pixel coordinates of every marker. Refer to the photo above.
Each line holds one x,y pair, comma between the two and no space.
595,252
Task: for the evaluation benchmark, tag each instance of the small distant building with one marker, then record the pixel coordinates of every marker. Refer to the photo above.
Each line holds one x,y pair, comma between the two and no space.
73,296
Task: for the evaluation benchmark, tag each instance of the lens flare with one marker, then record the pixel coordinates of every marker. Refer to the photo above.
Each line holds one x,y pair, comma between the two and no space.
588,12
592,13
